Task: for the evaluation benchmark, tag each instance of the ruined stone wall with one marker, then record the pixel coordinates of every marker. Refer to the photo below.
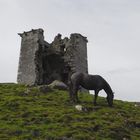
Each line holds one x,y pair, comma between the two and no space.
30,65
41,62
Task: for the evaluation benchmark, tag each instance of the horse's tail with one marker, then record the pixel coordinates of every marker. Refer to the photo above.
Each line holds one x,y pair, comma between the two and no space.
70,80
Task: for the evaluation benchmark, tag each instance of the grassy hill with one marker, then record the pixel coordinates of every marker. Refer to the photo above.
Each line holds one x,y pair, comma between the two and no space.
28,114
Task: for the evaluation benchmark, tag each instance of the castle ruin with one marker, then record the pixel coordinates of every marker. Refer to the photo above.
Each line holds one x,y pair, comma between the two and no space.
41,62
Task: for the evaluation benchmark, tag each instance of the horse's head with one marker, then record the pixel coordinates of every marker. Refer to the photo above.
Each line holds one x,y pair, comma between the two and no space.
110,99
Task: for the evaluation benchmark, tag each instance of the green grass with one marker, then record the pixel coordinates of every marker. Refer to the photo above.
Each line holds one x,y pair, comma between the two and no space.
28,114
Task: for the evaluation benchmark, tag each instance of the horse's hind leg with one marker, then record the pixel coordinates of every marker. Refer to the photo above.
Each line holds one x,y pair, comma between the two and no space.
95,98
76,96
71,91
75,93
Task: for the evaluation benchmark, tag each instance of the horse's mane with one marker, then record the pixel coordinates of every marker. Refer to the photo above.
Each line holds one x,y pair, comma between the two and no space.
107,88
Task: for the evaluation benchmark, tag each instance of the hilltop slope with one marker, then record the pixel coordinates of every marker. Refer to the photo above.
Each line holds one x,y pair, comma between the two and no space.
26,114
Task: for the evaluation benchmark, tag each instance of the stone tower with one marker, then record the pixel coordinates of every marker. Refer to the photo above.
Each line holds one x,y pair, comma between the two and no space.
42,63
30,68
76,53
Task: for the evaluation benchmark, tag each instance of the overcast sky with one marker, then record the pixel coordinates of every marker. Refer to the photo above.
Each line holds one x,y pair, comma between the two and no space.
111,26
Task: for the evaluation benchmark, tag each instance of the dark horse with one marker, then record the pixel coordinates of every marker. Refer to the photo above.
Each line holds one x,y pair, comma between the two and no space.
90,82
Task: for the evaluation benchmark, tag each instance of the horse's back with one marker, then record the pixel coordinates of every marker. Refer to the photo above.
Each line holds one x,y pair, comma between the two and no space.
87,77
94,82
91,82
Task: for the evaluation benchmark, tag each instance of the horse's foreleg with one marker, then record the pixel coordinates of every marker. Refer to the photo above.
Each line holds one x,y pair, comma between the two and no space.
95,98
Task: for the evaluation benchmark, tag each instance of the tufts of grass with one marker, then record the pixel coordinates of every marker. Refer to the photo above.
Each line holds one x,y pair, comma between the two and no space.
28,114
